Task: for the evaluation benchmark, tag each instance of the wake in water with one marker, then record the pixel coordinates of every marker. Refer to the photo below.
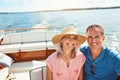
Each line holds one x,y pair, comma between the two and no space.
113,42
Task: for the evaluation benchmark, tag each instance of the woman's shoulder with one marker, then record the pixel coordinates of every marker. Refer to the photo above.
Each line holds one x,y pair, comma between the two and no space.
80,58
53,55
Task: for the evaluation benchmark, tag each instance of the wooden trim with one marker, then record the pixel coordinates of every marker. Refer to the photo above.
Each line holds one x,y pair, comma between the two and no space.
31,55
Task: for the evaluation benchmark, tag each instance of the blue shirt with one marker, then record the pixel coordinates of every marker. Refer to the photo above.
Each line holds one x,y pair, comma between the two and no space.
105,67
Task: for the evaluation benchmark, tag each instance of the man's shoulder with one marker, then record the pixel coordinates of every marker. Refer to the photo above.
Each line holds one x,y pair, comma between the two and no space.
110,51
84,49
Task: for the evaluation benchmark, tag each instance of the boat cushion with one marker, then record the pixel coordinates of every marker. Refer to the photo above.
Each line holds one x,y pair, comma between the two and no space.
27,41
11,48
50,45
25,66
33,46
21,67
5,60
33,37
4,73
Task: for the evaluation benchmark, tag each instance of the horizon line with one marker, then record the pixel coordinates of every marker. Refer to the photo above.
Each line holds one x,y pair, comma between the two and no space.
66,9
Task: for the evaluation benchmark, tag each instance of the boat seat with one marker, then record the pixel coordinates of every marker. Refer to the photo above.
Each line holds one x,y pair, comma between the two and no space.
33,46
49,36
10,48
4,73
50,45
33,41
21,67
33,37
27,41
5,63
11,43
38,73
26,66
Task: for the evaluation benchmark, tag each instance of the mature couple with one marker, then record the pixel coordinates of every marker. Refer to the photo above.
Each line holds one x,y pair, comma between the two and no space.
92,62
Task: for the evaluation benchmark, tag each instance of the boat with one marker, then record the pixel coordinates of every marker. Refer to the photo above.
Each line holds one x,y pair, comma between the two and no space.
27,48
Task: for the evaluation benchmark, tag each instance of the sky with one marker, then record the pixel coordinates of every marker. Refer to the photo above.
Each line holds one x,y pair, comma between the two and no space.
39,5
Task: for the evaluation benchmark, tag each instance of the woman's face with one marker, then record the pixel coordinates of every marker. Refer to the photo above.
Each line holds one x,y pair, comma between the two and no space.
69,42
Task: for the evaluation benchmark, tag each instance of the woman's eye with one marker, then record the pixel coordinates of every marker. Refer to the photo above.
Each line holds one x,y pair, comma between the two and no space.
72,38
75,38
68,37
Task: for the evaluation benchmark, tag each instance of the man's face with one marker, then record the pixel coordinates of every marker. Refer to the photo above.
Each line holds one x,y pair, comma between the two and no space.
95,39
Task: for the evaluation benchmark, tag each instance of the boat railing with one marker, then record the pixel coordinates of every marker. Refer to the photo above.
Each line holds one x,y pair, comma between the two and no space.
17,30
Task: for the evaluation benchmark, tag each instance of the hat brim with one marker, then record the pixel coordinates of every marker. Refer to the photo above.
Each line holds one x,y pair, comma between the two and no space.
56,39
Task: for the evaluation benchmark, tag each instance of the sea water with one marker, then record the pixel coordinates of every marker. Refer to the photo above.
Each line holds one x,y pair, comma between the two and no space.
108,18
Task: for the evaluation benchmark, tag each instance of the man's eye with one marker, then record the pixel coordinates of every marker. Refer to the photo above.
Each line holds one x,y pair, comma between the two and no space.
89,37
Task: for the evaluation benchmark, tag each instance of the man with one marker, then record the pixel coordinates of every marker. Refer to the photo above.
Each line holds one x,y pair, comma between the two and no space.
102,63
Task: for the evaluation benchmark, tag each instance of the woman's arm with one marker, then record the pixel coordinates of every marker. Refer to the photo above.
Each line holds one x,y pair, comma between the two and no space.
81,74
48,74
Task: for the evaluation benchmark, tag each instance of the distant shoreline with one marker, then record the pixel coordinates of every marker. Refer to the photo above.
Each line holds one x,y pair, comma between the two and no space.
69,9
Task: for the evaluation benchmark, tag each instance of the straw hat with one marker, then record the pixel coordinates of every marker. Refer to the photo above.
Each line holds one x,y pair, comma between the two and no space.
68,30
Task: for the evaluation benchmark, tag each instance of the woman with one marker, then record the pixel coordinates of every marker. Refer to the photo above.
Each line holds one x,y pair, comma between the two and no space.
67,62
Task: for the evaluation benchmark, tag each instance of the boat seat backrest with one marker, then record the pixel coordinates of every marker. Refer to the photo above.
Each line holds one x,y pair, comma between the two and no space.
12,38
49,35
38,73
6,39
28,37
26,41
15,38
33,37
